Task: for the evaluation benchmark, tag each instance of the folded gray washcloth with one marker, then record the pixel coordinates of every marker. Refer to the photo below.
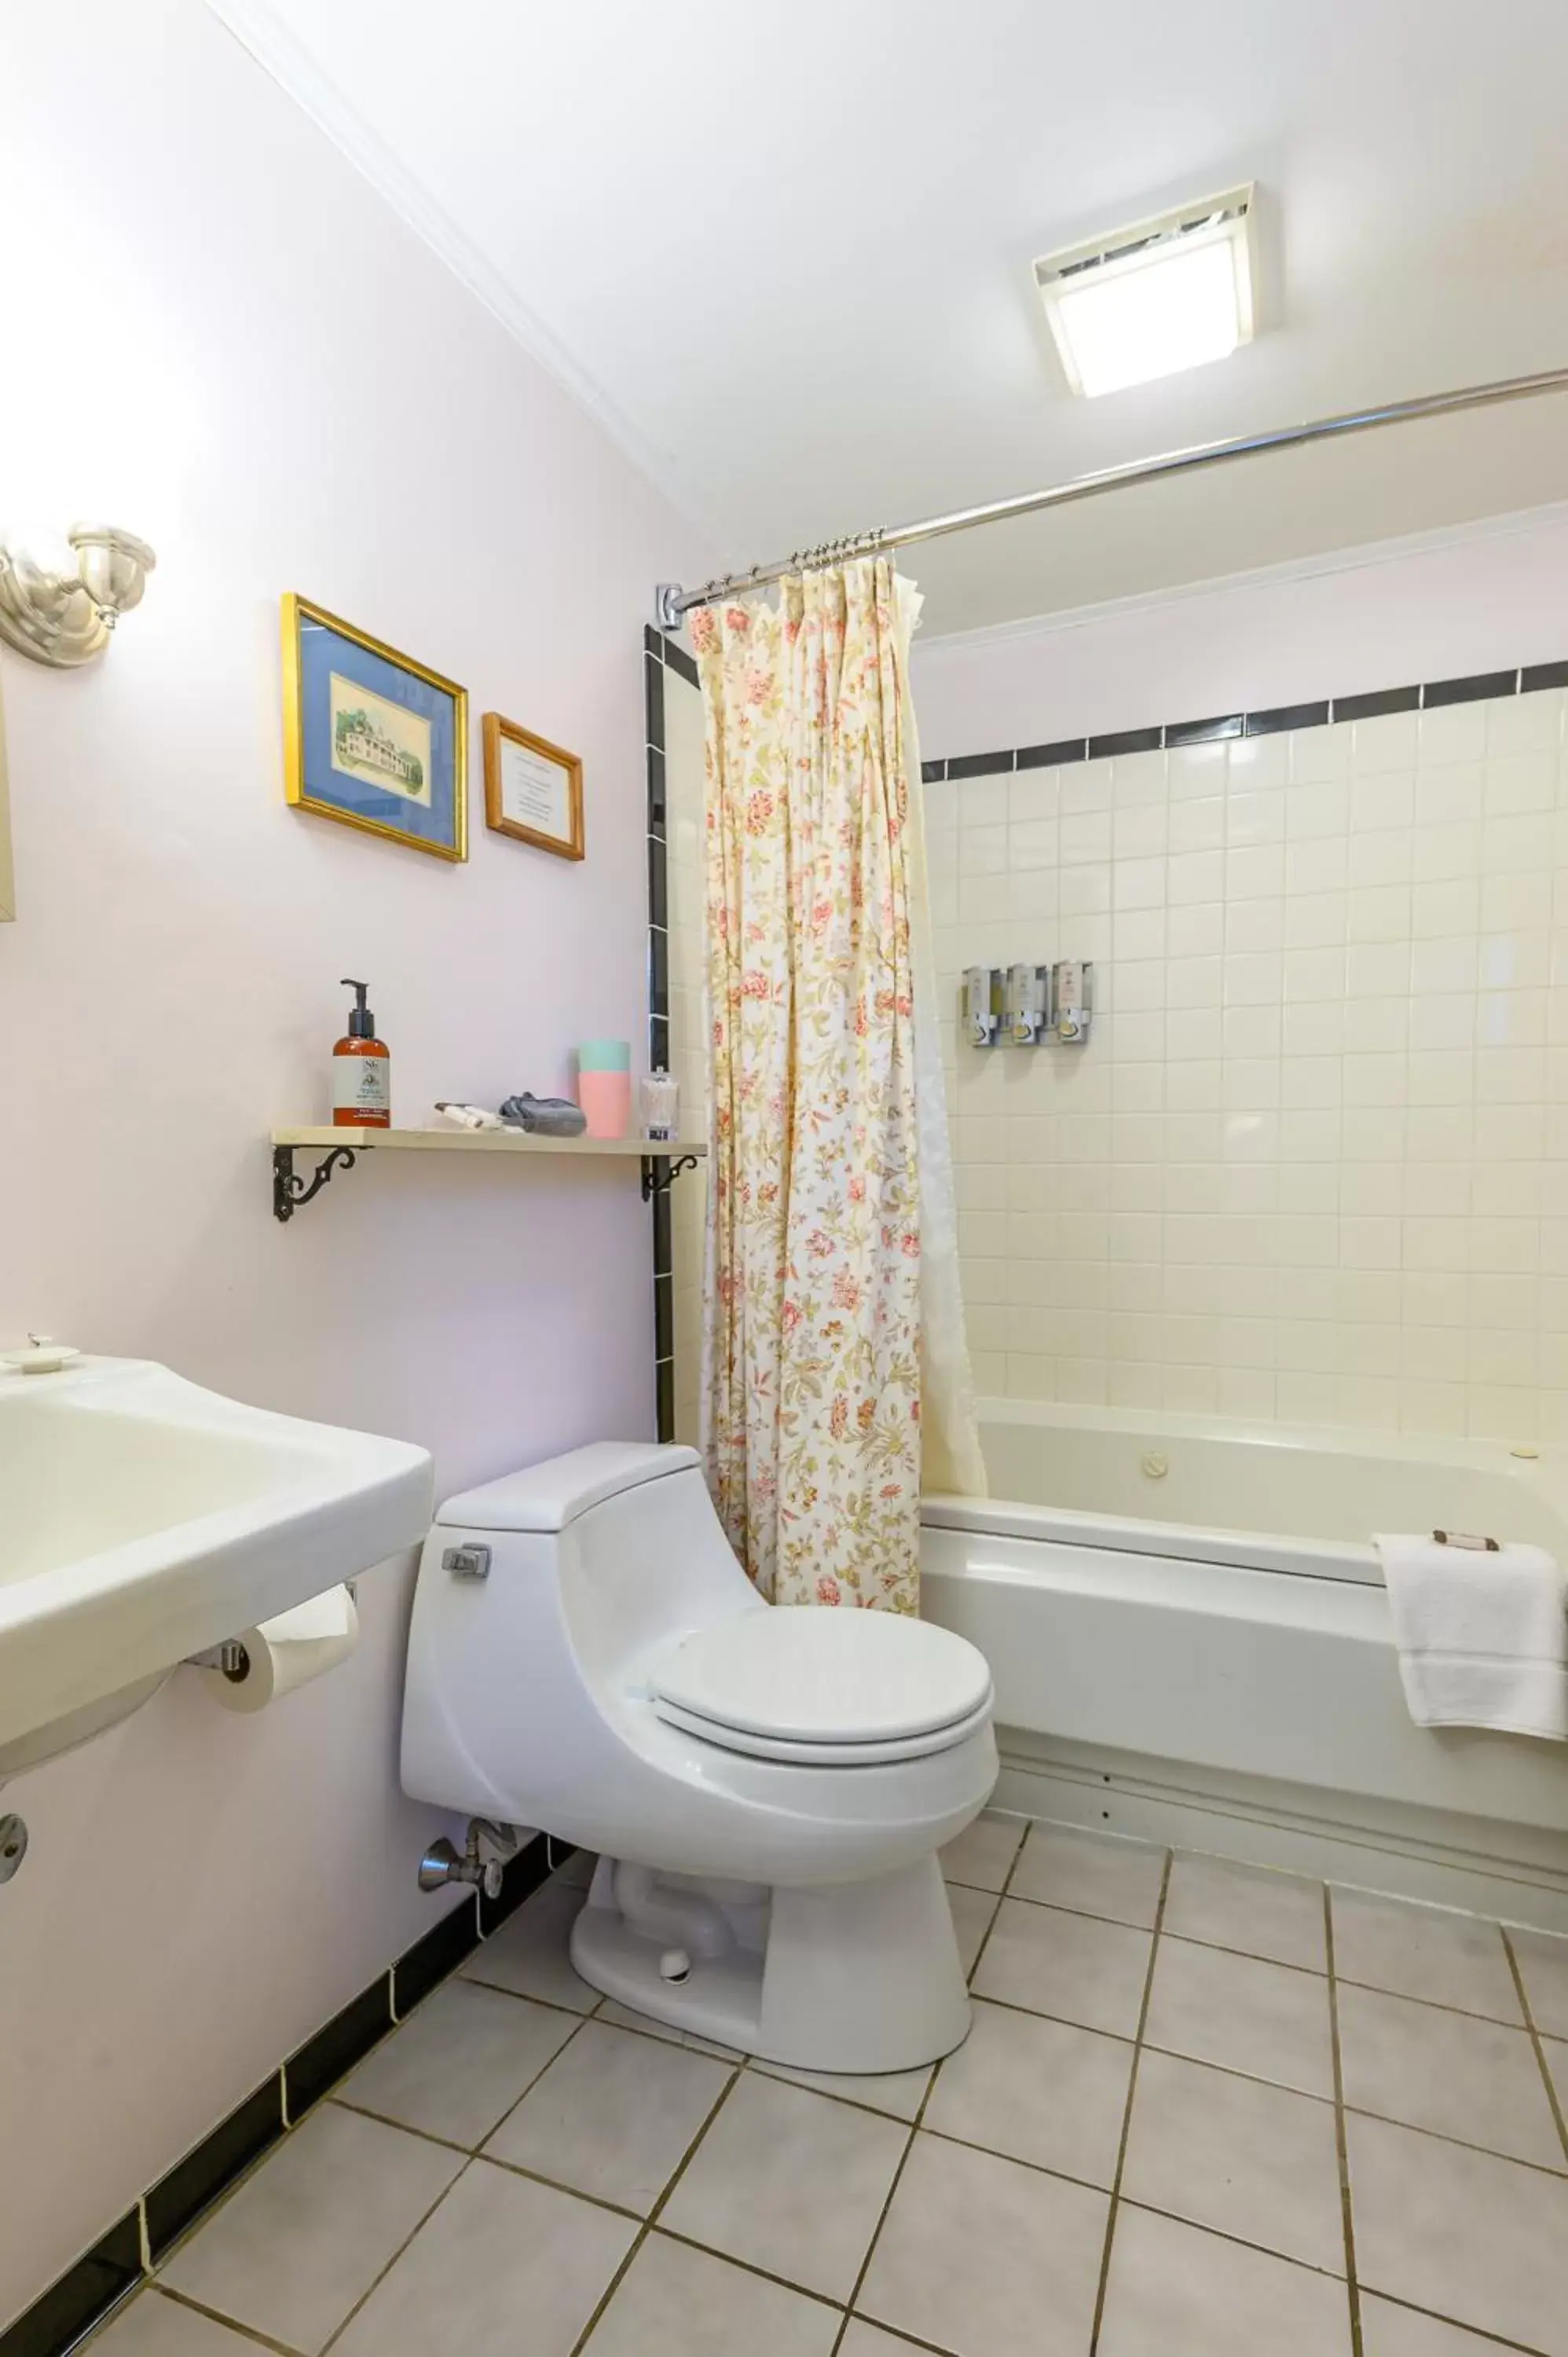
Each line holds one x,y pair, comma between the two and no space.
548,1116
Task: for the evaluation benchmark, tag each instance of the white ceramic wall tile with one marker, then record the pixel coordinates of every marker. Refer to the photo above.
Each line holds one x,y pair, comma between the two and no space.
1322,1101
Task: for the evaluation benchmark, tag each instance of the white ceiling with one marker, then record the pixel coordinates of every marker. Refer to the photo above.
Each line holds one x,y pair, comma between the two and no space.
784,251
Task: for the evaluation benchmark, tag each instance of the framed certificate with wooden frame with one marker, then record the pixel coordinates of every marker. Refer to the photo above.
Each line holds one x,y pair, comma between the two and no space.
532,789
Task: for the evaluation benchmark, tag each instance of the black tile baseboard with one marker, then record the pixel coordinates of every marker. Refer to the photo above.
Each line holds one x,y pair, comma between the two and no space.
426,1964
84,2295
315,2069
1476,687
106,2275
193,2184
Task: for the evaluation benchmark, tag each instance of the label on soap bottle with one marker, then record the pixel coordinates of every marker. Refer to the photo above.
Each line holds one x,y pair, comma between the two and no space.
361,1084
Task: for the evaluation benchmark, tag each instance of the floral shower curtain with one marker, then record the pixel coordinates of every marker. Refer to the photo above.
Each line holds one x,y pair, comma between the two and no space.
813,1371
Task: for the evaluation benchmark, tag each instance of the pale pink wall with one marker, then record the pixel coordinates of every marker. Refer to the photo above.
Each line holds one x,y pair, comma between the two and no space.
218,335
1367,619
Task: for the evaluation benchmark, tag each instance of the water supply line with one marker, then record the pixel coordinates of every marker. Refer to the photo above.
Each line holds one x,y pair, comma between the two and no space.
672,601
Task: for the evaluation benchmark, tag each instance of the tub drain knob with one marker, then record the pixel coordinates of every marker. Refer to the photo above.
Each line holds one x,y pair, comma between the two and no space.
1154,1466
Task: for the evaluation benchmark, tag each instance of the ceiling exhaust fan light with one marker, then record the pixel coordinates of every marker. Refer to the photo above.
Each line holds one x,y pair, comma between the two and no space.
1165,295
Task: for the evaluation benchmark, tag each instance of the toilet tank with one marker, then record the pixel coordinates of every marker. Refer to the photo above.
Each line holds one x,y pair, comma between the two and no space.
517,1682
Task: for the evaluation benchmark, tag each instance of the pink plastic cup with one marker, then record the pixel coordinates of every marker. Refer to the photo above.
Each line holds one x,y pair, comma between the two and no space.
606,1099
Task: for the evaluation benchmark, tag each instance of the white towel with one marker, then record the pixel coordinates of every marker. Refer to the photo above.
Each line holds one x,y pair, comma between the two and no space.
1482,1637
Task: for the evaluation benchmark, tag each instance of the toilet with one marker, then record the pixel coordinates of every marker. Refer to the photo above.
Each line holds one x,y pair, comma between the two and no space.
766,1789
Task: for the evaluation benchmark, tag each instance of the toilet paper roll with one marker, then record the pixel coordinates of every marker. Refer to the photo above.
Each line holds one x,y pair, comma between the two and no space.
289,1651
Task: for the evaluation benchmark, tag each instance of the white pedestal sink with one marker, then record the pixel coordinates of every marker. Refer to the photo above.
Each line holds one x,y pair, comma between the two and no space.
143,1519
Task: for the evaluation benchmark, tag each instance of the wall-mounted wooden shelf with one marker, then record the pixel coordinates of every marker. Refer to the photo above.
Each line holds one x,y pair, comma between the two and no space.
338,1147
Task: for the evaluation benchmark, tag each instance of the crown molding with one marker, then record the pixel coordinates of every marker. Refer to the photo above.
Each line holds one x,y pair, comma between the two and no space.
1507,526
260,32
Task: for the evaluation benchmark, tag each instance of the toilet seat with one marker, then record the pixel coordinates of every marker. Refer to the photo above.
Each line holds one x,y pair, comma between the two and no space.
752,1746
823,1688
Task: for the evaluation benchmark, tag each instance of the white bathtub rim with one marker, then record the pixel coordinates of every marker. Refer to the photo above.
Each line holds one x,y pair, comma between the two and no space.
1133,1534
1544,1471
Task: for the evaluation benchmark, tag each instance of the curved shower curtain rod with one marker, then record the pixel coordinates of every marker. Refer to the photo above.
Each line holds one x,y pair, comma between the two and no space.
672,601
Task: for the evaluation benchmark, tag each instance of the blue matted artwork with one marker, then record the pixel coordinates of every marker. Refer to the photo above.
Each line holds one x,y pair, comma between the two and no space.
371,738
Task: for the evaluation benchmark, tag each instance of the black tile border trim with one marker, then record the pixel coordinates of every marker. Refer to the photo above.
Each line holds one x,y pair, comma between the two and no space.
106,2275
659,650
1478,688
316,2068
193,2184
426,1964
83,2295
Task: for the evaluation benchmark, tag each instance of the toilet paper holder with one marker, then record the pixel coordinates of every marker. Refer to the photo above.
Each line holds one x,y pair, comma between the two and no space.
229,1657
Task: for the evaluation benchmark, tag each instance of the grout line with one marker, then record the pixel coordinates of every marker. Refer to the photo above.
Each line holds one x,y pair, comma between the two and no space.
750,2267
1551,2083
1111,2214
656,2212
1341,2144
875,2235
1254,1955
246,2331
370,2289
1492,2339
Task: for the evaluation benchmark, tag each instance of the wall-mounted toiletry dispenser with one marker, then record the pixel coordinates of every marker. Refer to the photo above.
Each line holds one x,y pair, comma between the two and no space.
982,1005
1074,1000
1026,1005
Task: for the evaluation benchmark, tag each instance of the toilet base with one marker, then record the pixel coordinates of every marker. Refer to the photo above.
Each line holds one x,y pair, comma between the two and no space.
855,1977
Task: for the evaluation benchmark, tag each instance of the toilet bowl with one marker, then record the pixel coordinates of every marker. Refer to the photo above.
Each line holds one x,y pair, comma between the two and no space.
766,1789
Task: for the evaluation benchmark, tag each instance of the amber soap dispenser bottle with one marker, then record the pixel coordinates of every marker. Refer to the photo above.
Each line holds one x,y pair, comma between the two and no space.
361,1070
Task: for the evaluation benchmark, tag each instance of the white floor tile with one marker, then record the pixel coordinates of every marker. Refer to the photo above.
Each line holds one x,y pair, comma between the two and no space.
621,2016
986,2258
790,2181
1250,1908
1092,1876
899,2093
527,1954
612,2117
1269,2020
1248,2160
1481,2240
1451,2072
1390,1943
456,2066
153,2326
300,2241
1174,2291
1069,1965
1040,2091
1390,2332
503,2265
1543,1967
678,2302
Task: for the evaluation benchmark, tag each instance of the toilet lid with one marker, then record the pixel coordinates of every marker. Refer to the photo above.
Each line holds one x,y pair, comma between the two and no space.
826,1755
807,1676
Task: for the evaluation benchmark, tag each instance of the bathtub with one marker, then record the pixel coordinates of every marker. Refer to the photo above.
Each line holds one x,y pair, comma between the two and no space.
1189,1636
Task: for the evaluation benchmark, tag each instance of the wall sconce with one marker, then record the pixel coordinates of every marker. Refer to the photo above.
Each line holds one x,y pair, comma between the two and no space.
61,618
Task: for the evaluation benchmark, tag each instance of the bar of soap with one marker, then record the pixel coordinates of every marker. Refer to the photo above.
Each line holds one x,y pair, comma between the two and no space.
545,1116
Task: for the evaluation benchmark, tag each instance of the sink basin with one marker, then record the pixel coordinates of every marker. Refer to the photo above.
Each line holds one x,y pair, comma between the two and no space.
143,1519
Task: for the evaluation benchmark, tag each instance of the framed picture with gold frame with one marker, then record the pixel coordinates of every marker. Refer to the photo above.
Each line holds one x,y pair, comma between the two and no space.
534,790
371,738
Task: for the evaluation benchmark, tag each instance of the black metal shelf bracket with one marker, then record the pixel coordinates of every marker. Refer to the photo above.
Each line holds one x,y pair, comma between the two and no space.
652,1184
291,1193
